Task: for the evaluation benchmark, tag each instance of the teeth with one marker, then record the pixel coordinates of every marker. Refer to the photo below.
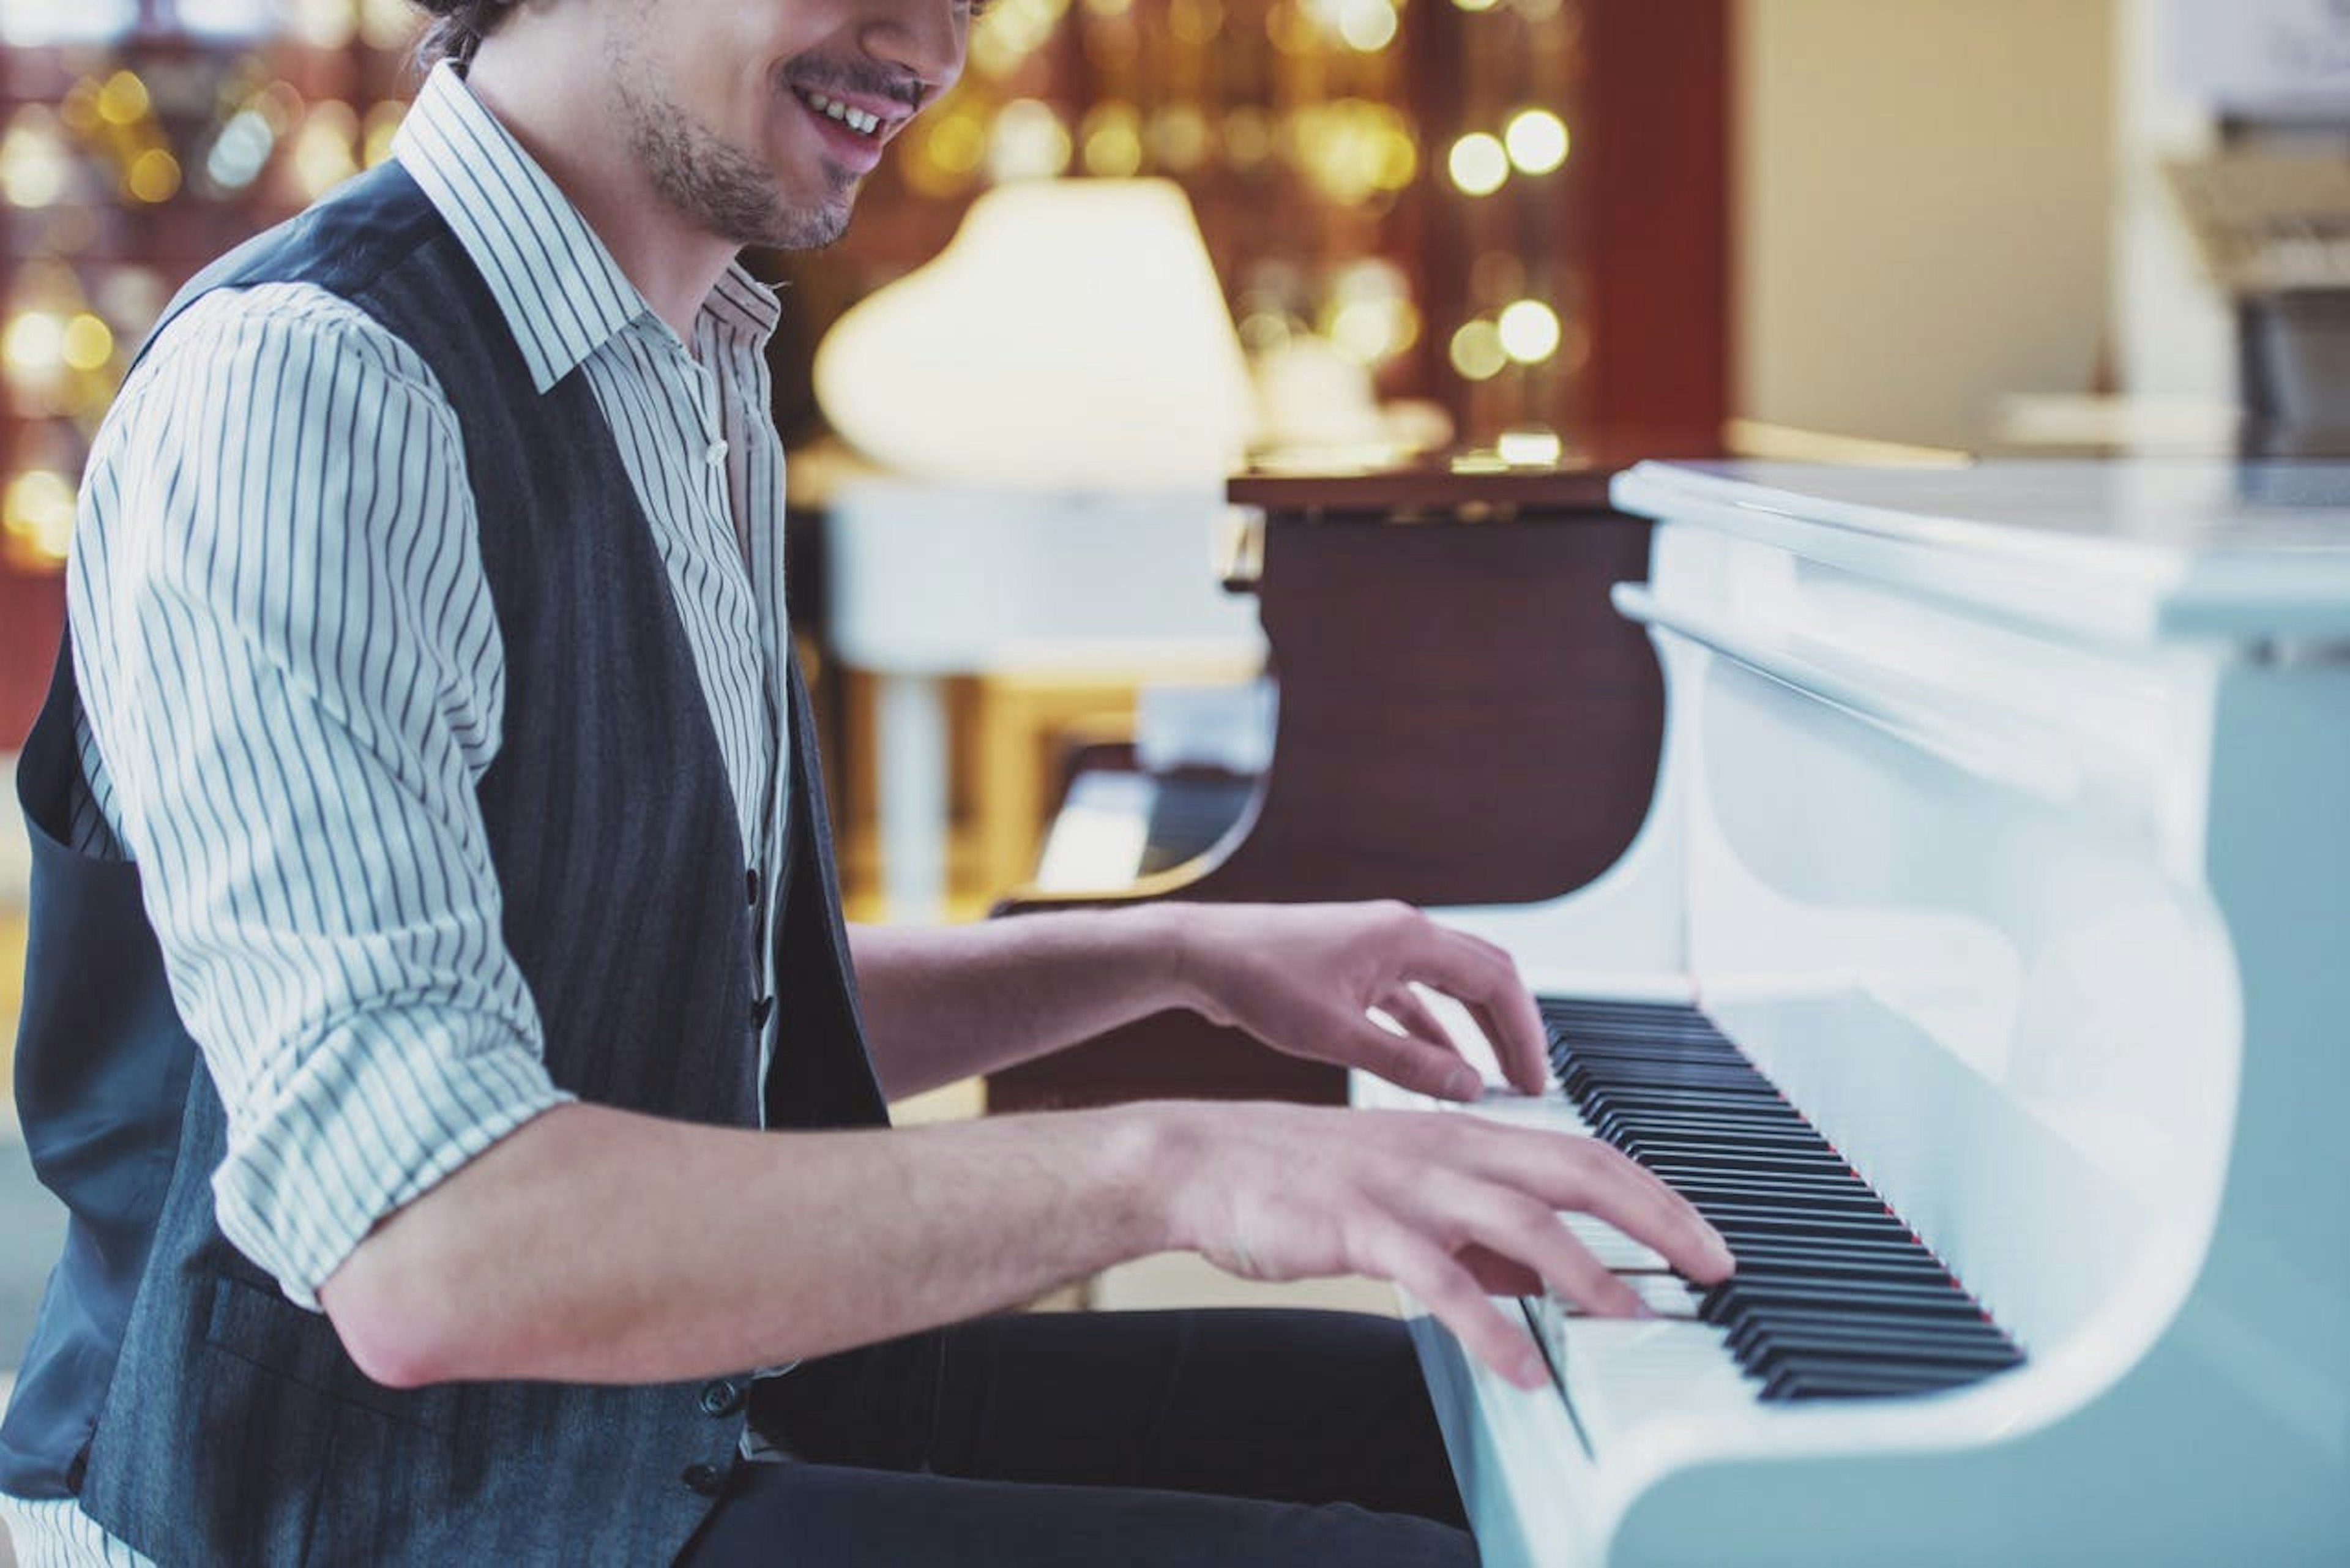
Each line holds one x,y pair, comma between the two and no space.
856,119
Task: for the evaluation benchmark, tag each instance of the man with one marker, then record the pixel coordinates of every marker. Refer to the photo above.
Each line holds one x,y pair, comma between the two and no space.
434,931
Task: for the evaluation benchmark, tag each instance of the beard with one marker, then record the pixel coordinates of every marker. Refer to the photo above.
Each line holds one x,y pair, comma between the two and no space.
718,187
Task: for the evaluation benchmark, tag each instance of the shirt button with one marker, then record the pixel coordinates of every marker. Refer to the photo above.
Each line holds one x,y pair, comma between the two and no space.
716,453
759,1011
707,1480
720,1398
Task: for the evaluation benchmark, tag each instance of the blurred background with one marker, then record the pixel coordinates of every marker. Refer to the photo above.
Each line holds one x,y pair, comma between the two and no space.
1784,225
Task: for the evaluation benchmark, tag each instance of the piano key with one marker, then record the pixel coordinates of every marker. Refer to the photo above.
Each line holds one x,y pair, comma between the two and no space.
1786,1344
1836,1296
1666,1295
1615,1250
1616,1370
1830,1381
1759,1343
1942,1299
1827,1269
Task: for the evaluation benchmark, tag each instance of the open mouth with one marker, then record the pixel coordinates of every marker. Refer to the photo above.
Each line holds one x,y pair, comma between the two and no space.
862,121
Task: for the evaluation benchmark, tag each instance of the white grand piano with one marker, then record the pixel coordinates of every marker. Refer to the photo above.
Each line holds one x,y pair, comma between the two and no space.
2004,824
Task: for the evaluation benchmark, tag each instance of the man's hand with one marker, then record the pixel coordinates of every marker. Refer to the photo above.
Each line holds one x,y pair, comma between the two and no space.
1451,1208
1300,977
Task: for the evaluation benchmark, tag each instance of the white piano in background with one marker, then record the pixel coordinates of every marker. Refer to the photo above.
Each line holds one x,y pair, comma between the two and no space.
2004,822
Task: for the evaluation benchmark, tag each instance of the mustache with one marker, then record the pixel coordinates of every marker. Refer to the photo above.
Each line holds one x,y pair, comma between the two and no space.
860,77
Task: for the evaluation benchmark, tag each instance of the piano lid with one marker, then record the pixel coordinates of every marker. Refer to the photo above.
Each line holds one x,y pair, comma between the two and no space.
2129,552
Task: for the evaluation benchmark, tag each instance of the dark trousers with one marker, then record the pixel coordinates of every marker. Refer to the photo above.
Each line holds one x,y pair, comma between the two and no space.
1174,1438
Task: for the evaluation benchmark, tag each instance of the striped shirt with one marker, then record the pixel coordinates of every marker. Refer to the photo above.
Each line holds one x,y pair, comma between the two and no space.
293,681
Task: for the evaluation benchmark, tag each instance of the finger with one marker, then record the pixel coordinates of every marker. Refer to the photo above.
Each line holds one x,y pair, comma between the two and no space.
1567,1171
1497,1275
1456,1300
1522,1048
1529,1233
1411,1063
1403,1004
1482,977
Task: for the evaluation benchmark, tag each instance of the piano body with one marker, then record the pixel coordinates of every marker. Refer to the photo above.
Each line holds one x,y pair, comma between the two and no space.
2003,823
1448,666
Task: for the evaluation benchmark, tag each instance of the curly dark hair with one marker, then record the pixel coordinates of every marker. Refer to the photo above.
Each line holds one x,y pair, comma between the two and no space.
458,28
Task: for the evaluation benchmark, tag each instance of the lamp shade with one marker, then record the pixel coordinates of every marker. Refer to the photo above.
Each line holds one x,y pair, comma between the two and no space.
1071,336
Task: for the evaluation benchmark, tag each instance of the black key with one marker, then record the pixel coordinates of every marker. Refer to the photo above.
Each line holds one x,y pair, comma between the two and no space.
1914,1350
1837,1381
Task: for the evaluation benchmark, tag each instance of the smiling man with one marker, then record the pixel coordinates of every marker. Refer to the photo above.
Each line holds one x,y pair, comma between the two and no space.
438,1019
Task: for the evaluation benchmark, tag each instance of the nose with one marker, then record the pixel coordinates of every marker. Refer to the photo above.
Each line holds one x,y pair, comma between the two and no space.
923,37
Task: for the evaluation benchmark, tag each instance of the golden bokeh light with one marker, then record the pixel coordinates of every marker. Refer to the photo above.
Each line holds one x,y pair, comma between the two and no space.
1529,331
1112,141
1476,351
1373,331
33,344
375,135
123,100
1029,142
153,177
326,150
1536,139
389,24
87,343
37,510
34,169
322,24
1478,163
1177,137
1367,27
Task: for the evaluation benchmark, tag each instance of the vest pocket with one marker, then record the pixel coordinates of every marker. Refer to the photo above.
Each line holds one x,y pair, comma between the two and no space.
300,1349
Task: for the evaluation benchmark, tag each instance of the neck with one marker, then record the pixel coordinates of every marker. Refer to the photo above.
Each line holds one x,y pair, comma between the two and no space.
549,86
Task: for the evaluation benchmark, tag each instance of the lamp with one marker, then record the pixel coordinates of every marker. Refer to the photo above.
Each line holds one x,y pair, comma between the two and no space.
1072,336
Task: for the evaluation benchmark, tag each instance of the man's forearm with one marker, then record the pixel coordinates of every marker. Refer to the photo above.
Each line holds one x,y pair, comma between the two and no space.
945,1002
595,1245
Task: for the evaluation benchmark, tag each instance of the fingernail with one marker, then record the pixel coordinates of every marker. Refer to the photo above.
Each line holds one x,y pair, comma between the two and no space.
1464,1083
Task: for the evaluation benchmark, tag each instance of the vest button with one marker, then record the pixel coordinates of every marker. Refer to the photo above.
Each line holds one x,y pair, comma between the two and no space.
720,1398
707,1480
759,1011
751,887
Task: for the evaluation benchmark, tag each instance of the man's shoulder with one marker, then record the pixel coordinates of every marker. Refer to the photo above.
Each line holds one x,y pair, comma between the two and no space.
234,331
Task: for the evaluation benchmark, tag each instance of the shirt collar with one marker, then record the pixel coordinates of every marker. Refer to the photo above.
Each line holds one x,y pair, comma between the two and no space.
559,289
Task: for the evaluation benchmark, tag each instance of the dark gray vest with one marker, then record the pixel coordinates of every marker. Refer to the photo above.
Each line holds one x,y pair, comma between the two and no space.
196,1413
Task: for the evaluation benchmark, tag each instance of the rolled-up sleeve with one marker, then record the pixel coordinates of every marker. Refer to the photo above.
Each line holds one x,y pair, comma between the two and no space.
293,676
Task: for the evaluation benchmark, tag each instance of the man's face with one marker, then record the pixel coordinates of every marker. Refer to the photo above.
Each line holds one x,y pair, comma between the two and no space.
756,119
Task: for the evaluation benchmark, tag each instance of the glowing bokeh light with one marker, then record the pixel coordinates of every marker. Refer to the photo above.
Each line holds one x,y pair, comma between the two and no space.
1367,27
34,342
1476,350
87,343
38,508
123,100
1529,331
153,177
1478,163
1536,139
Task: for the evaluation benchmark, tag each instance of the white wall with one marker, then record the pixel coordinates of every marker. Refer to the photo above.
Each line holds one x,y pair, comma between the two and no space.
1925,209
